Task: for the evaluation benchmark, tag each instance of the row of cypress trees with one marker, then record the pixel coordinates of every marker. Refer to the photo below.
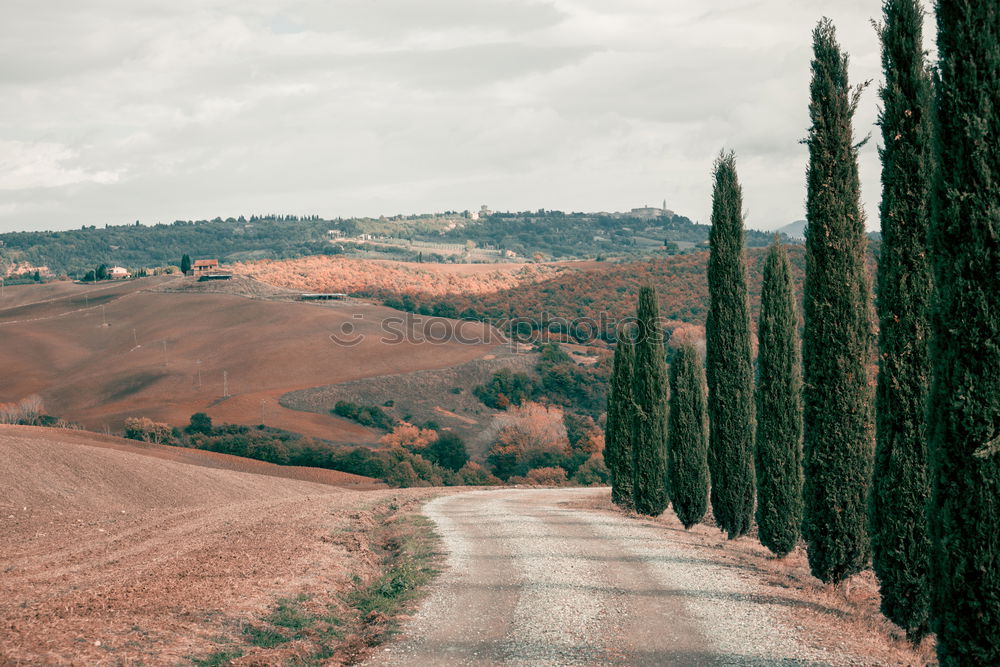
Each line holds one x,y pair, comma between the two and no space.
931,522
653,462
656,459
903,471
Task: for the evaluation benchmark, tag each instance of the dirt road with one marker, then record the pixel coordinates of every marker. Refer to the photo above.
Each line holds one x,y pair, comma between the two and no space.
533,579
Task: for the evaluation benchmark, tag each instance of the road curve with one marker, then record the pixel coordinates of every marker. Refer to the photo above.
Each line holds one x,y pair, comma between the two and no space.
532,580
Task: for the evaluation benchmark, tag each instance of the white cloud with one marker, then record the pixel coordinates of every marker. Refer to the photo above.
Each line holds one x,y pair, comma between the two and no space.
25,166
197,108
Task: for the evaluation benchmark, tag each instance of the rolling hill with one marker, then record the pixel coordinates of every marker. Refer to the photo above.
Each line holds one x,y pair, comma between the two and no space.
155,348
114,553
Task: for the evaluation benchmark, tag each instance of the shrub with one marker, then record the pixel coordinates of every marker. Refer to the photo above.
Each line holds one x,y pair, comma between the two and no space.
549,476
409,436
28,411
448,451
200,423
366,415
531,435
506,388
473,474
146,430
593,472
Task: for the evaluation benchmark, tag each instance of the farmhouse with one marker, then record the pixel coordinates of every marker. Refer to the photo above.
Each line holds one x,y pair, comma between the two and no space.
118,273
202,266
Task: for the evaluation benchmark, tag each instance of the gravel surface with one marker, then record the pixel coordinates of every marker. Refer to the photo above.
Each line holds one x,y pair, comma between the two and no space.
532,581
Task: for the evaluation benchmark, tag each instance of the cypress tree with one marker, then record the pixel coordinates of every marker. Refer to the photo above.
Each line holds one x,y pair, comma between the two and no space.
837,341
729,358
964,402
900,486
778,457
649,391
185,264
687,439
618,433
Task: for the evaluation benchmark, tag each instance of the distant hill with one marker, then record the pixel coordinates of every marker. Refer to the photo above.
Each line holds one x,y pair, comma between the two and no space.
553,296
794,230
442,237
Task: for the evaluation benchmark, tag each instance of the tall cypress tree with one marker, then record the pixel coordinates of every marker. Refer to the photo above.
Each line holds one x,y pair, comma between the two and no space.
618,433
837,340
185,263
729,358
964,403
900,486
779,408
687,439
649,391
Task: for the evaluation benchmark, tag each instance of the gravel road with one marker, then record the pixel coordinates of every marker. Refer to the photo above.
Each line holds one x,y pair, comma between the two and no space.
531,579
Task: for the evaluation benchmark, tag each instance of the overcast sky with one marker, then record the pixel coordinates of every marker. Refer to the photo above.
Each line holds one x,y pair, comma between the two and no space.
113,111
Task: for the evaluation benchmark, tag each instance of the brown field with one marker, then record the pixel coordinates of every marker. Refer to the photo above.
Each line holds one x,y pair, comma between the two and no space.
195,457
100,354
113,553
373,276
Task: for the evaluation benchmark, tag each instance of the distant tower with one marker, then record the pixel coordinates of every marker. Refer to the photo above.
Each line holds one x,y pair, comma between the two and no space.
664,205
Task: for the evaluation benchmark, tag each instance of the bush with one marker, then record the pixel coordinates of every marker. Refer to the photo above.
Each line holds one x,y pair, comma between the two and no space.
366,415
550,476
448,451
593,472
146,430
28,412
506,388
473,474
530,436
200,423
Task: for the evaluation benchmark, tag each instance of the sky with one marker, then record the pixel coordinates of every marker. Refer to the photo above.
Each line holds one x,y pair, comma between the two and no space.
113,111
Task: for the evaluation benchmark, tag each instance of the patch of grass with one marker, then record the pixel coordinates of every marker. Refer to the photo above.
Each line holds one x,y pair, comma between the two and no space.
289,614
264,637
218,659
409,564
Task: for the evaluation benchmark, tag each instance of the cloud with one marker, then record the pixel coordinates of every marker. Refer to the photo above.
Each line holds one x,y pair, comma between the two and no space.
195,108
26,166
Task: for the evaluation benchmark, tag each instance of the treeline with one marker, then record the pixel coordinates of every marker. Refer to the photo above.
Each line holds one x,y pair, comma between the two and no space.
134,246
441,461
901,472
559,235
551,234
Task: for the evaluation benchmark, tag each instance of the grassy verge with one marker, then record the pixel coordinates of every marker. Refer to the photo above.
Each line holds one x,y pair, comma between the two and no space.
308,629
409,557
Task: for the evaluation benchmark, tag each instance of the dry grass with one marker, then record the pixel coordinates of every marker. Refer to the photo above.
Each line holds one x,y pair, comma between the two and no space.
368,276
